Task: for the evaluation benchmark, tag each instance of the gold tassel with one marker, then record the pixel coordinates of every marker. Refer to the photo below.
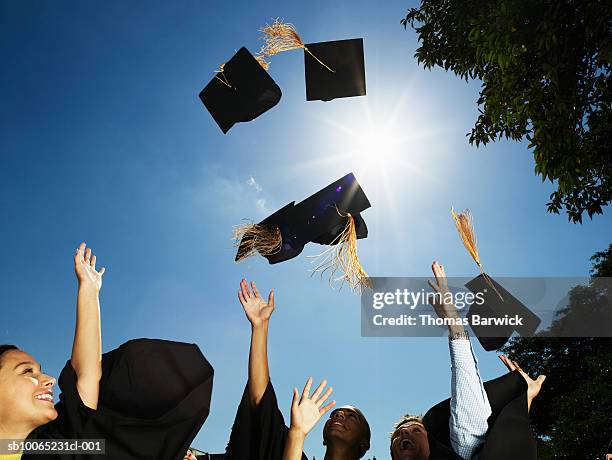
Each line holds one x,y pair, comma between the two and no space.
341,258
255,238
282,36
220,72
262,61
465,227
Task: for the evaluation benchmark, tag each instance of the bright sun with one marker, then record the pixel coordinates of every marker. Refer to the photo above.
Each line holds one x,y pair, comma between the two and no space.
376,144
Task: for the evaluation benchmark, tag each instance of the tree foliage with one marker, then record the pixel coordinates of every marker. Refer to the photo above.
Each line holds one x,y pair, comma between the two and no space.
571,415
545,70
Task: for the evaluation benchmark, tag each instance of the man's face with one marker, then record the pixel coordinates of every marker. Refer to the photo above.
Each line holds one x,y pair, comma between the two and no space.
26,394
409,442
345,425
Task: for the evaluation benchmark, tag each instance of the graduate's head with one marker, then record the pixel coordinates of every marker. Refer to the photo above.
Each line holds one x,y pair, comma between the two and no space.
26,394
409,439
347,425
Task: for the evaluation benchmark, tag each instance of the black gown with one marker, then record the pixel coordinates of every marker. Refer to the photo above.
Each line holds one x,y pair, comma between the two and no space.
154,398
509,434
258,433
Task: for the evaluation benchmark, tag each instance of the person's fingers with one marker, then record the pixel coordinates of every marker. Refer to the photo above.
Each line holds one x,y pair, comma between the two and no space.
93,262
80,253
255,291
506,362
434,268
327,407
519,367
295,398
521,371
540,379
241,297
323,398
306,391
102,270
87,255
245,290
433,286
509,364
318,390
271,299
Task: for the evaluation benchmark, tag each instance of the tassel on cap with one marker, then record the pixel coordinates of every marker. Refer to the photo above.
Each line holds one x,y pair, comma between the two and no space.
278,37
465,227
251,239
341,259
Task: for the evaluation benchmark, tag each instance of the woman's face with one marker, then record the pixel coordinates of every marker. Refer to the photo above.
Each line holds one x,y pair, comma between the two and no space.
26,394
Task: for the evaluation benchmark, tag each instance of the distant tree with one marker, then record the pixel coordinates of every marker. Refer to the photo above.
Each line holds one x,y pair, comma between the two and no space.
572,415
545,70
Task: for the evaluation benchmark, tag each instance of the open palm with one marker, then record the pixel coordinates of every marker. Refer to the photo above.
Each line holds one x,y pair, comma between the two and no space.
306,411
257,310
85,268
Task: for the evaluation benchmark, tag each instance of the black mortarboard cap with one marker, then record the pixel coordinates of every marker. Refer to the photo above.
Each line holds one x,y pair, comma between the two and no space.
324,214
320,218
241,92
497,305
334,69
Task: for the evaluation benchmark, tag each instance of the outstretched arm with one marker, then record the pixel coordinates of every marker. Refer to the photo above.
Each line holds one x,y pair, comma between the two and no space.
86,356
470,408
305,413
258,312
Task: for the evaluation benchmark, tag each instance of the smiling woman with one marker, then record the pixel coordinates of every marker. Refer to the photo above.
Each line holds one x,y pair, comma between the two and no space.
26,395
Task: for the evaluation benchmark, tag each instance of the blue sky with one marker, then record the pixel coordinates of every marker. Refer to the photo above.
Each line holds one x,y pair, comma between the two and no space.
103,139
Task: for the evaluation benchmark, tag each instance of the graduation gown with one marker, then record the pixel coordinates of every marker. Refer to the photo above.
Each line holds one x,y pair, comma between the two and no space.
154,398
258,433
509,434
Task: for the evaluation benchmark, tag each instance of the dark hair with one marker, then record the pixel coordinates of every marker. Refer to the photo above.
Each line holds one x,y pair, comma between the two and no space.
4,349
367,435
408,418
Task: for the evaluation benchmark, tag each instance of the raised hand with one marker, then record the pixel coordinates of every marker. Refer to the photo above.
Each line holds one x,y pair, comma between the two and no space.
307,410
443,309
257,310
189,456
85,268
533,386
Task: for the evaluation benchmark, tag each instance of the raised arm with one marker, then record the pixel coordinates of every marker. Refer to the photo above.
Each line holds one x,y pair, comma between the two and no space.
258,312
306,411
470,408
86,356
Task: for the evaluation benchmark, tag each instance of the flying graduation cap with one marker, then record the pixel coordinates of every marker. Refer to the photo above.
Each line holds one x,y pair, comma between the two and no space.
240,91
348,77
332,69
331,216
498,302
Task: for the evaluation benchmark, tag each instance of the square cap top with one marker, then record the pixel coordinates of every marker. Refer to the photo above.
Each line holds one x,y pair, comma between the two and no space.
323,214
347,75
492,337
241,92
